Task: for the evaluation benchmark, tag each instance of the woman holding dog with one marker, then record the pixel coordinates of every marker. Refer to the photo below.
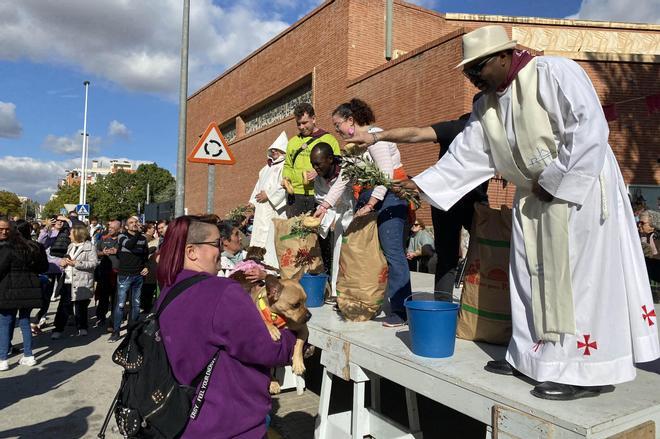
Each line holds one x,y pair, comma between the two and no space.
357,117
215,315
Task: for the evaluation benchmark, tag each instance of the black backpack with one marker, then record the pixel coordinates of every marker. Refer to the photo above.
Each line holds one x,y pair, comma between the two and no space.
150,402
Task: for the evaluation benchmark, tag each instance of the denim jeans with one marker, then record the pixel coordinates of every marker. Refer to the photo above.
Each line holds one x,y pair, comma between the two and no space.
392,226
7,321
125,284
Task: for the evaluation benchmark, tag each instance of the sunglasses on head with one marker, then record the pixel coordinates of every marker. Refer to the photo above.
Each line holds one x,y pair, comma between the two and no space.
474,71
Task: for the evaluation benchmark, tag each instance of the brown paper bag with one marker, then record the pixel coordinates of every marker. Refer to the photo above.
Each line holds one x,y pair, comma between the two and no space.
485,313
287,246
362,277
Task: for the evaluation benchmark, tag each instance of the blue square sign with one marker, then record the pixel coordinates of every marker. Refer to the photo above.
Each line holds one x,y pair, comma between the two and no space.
82,209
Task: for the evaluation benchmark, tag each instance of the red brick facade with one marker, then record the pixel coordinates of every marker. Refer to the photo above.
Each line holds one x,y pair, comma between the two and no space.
340,47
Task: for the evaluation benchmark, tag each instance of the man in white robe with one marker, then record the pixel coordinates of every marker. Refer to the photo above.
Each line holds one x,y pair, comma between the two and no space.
591,331
337,215
269,200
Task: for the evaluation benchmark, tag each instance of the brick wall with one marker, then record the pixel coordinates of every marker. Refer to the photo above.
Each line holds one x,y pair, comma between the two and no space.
341,47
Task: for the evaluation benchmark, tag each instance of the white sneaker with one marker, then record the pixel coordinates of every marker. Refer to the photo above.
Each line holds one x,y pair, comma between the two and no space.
56,336
4,365
27,361
82,332
42,322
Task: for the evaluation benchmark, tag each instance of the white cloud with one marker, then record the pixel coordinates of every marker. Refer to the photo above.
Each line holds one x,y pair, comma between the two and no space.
32,178
118,129
37,179
633,11
70,144
9,126
135,44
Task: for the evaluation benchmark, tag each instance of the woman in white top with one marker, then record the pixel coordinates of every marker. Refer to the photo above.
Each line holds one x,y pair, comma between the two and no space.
78,266
354,117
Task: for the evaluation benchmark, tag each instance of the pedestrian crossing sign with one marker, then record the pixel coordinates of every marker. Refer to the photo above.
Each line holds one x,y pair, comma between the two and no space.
82,209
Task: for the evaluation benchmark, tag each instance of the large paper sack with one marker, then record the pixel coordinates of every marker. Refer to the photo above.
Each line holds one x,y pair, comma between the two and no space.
362,275
485,313
287,246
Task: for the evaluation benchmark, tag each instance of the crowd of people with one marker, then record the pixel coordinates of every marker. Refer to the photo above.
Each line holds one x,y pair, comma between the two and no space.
563,290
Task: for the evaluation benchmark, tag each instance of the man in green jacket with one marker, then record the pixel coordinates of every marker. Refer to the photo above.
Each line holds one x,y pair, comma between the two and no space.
297,167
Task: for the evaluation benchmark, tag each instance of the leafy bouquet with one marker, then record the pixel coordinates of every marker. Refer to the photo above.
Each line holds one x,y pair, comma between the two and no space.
239,212
305,225
363,172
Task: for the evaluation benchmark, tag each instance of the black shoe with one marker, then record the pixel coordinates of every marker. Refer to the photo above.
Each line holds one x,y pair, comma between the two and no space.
114,337
500,367
564,392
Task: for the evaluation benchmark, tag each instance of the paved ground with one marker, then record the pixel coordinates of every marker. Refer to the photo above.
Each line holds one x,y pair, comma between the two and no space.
68,393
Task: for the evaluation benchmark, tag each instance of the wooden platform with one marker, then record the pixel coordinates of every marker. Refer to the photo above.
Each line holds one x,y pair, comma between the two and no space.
460,382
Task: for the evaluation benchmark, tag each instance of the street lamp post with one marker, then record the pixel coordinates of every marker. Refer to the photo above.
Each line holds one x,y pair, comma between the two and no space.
179,204
83,174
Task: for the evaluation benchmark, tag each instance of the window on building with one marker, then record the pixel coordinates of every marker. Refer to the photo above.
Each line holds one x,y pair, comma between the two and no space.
278,109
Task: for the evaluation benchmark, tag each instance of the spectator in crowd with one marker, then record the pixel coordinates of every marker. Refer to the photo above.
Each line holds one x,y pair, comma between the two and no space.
95,228
55,239
216,316
420,248
357,117
335,213
133,254
73,219
162,229
78,266
21,261
36,230
269,200
541,126
25,229
150,283
232,250
106,273
297,167
648,235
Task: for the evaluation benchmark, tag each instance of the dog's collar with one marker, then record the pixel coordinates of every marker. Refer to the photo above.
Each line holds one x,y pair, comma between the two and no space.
267,314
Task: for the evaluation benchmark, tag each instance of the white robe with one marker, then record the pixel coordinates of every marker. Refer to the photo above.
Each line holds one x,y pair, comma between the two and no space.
263,229
340,216
611,293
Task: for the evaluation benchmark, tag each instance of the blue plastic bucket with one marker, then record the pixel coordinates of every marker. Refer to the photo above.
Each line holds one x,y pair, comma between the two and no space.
314,286
432,327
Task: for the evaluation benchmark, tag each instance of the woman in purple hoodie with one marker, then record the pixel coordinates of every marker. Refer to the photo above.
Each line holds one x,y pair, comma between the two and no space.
213,315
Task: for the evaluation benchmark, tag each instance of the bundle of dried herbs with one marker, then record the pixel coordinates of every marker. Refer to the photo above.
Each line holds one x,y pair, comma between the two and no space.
360,171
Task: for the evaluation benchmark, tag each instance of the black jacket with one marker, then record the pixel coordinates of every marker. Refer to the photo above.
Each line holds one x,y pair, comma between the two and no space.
20,286
61,244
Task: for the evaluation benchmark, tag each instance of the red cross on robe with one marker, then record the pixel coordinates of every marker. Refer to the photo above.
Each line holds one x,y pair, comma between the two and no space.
587,344
648,314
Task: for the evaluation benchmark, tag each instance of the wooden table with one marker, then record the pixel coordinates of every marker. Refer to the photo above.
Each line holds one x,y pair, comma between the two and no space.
362,352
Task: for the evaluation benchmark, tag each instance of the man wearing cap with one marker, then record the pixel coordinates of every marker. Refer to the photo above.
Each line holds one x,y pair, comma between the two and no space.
581,303
269,200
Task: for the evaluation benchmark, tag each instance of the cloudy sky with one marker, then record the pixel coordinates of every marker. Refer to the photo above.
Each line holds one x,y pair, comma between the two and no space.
129,50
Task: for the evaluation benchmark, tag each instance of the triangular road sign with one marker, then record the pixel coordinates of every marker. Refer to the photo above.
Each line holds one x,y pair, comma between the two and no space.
212,148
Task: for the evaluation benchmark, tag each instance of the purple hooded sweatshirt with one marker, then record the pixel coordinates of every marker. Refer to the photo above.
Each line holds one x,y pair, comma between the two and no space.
214,313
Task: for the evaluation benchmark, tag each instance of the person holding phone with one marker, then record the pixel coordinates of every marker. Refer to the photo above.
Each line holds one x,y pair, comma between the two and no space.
78,266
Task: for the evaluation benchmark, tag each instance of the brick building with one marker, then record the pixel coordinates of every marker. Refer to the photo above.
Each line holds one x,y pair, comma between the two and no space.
337,52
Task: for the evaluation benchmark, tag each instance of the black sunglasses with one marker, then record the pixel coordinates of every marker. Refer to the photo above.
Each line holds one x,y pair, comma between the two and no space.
217,243
474,71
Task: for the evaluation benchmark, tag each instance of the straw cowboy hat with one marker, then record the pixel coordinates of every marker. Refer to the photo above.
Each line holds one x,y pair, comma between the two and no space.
280,143
485,41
